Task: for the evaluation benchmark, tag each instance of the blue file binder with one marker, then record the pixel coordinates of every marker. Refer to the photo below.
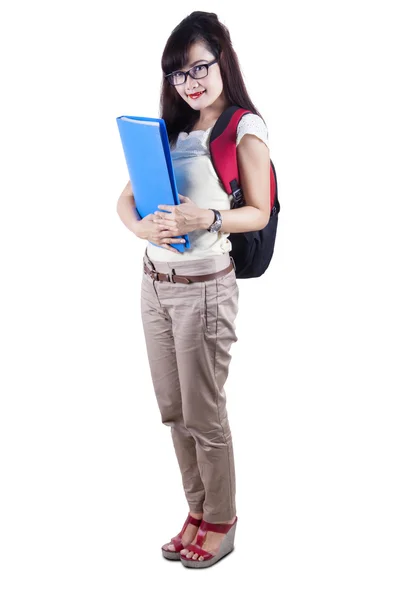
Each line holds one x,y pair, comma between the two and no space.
147,153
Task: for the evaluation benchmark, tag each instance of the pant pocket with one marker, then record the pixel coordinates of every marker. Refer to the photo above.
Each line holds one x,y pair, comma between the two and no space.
209,307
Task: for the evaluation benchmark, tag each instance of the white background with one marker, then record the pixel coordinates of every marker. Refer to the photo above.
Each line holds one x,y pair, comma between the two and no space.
90,484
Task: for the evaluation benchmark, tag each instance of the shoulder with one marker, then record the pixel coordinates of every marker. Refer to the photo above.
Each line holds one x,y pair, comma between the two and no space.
252,124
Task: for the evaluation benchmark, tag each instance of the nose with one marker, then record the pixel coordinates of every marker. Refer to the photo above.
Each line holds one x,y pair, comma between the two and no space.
191,88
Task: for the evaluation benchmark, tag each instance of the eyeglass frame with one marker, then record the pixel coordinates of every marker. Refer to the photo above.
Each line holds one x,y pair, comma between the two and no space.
186,73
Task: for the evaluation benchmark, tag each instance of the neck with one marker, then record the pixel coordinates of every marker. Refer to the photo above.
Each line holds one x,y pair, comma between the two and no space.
211,113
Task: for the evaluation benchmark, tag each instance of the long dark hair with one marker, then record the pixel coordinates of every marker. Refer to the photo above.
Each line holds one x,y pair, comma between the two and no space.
204,27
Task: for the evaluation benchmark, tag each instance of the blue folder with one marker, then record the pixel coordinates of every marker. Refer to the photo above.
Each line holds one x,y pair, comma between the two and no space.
148,158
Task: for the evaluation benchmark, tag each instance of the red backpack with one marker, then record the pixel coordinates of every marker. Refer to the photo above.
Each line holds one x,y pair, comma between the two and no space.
251,251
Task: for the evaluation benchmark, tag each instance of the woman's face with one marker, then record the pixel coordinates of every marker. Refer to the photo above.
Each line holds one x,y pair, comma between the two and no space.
211,85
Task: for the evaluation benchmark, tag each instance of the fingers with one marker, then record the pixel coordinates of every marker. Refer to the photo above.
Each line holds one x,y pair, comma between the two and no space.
165,243
165,212
163,221
167,239
162,226
173,241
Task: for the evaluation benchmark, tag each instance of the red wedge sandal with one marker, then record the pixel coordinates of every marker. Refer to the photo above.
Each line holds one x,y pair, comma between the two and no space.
177,540
208,558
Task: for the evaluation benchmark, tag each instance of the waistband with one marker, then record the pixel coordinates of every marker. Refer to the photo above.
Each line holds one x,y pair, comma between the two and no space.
202,266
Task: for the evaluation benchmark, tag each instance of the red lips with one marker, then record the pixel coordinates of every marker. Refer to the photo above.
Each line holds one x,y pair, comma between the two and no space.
194,96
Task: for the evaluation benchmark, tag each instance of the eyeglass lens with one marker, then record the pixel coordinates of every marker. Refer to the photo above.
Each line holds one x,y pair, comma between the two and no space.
197,72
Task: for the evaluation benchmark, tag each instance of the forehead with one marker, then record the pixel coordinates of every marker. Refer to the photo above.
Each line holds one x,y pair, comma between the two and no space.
197,52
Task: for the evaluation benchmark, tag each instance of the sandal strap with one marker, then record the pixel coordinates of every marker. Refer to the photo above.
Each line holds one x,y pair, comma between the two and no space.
194,521
189,520
177,542
217,527
198,550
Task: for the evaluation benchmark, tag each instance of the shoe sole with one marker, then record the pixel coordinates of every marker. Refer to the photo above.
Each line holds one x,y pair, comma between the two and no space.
227,545
171,555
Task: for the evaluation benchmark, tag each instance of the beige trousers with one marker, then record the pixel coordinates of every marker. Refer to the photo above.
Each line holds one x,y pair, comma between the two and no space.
189,329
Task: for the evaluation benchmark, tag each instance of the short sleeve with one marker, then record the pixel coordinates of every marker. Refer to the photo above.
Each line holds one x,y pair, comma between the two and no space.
252,123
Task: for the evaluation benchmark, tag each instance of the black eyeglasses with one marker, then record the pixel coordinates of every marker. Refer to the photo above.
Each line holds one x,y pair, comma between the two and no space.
197,72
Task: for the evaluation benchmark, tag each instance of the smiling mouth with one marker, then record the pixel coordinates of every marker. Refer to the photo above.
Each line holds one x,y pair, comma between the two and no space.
194,96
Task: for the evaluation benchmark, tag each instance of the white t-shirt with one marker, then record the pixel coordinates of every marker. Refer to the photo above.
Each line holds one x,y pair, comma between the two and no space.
196,178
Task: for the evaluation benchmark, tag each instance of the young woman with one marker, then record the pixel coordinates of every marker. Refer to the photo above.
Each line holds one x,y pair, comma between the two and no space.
189,300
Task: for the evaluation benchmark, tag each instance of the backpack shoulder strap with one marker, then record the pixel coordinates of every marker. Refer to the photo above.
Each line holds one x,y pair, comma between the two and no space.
223,152
222,145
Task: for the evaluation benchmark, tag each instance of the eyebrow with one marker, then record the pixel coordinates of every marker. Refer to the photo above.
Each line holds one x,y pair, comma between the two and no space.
197,61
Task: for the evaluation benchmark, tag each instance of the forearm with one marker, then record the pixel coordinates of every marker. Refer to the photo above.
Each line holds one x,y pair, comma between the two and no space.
238,220
126,209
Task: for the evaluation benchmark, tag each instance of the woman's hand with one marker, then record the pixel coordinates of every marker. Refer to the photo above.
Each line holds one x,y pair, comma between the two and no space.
148,229
182,218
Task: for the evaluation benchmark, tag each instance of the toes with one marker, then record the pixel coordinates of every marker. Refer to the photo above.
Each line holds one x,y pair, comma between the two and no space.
184,551
195,556
201,557
171,547
189,555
